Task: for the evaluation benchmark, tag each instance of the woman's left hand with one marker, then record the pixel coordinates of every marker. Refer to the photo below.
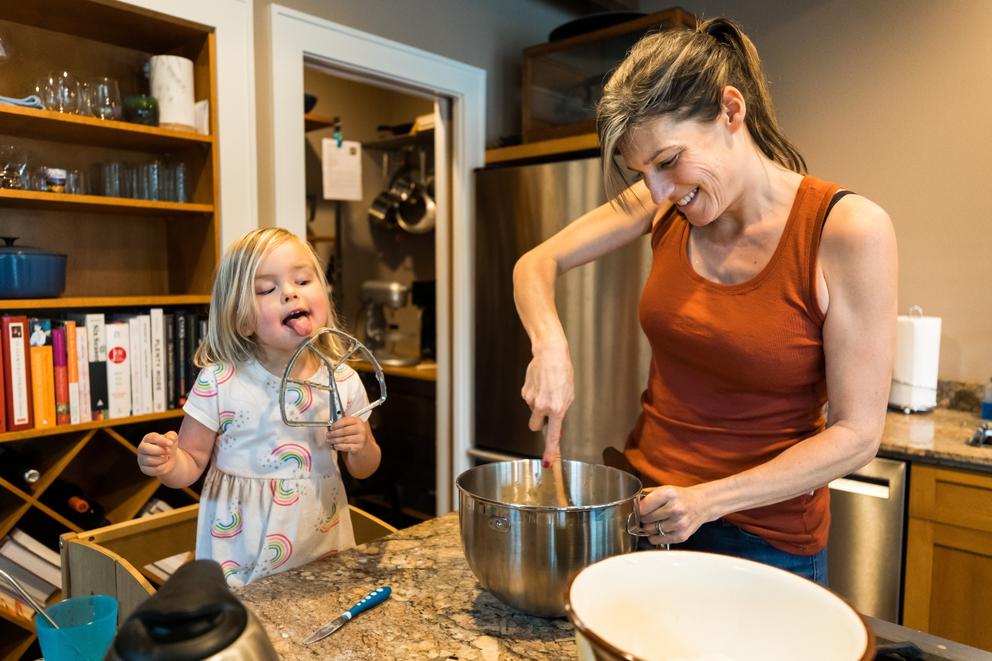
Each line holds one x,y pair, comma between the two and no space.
680,511
349,434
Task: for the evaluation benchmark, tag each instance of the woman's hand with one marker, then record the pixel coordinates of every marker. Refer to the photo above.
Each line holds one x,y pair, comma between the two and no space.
157,453
680,511
349,434
549,389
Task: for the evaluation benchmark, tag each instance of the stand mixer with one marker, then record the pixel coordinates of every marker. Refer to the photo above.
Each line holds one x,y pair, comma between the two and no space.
377,296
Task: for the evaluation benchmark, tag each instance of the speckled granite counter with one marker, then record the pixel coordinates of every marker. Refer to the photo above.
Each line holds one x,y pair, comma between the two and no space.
937,437
437,609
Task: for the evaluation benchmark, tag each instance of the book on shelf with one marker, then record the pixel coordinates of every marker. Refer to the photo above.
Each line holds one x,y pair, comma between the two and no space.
35,564
96,356
60,362
18,407
42,372
145,363
15,607
170,361
39,589
118,369
72,370
183,383
134,363
159,381
36,547
82,360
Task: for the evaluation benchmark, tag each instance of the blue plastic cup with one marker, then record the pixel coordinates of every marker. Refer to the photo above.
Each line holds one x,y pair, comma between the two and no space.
87,626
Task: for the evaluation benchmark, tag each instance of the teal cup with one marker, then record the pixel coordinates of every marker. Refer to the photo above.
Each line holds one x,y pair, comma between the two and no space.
87,626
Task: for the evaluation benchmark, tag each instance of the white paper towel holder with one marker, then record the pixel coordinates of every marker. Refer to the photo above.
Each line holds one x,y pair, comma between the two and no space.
911,396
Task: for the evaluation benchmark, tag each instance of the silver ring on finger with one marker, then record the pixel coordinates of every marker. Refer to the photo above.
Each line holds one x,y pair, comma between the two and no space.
657,527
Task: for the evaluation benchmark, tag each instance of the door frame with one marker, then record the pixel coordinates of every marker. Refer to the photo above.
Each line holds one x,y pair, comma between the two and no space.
296,37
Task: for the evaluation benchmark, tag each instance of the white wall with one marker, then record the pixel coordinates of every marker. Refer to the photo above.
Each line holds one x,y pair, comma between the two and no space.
890,99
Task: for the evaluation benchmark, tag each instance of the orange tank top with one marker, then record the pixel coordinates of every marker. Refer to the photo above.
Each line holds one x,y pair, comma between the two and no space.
737,371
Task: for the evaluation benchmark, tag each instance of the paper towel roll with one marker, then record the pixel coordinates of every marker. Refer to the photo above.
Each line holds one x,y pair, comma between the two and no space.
914,374
172,86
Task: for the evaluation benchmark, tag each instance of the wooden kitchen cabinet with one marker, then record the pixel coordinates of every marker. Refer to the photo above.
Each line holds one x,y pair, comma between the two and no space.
124,254
949,555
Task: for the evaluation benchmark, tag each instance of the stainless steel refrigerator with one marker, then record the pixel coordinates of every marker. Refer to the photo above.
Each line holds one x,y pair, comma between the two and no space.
517,208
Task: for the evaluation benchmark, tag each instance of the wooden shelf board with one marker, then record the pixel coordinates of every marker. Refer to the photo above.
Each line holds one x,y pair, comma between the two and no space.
132,27
314,122
81,302
543,148
81,130
11,518
424,138
41,200
24,623
129,508
96,424
50,474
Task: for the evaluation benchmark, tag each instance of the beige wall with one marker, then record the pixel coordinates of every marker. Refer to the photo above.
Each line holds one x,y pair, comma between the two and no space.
891,99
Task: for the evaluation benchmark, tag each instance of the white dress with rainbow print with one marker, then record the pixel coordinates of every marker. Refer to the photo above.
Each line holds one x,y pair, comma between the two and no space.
273,497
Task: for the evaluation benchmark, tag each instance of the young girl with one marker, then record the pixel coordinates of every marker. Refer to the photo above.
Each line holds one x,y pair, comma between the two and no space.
273,497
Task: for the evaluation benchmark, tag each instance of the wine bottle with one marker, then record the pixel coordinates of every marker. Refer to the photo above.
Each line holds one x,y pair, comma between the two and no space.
16,469
69,500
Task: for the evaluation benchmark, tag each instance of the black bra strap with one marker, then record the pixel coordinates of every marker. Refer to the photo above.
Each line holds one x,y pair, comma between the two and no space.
834,200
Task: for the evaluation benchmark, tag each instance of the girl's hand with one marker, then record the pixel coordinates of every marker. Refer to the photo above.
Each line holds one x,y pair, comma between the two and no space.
681,510
349,434
157,453
549,389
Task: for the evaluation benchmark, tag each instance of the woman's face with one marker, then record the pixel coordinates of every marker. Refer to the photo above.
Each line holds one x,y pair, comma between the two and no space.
687,162
290,304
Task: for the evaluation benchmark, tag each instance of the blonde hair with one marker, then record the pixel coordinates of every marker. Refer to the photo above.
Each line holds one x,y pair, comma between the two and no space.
232,303
682,73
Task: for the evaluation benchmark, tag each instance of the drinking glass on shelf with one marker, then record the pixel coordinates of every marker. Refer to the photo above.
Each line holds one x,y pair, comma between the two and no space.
13,163
65,92
86,100
43,90
107,99
74,182
110,178
36,178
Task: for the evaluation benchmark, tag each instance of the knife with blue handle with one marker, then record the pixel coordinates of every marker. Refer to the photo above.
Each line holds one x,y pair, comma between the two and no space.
373,598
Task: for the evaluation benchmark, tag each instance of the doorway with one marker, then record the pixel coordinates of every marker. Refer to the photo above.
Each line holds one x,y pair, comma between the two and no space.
459,89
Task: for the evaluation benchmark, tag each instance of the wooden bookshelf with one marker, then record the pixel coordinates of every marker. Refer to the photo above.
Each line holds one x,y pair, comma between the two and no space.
314,122
122,254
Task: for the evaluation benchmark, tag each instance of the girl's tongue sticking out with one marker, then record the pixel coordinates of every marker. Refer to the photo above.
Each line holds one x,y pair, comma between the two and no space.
300,322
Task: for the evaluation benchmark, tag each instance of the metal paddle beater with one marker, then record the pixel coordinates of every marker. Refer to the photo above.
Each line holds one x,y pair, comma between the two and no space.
351,346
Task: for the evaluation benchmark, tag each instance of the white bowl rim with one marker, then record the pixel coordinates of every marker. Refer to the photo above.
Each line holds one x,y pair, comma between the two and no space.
580,627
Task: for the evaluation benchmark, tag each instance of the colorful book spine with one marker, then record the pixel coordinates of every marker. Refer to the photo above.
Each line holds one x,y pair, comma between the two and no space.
17,373
42,372
118,369
60,361
82,359
72,370
159,384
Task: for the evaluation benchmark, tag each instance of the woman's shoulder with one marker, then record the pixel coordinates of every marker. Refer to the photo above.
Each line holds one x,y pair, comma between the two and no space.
854,219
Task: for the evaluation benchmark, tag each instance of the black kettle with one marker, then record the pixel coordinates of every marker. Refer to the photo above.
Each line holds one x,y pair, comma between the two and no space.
192,616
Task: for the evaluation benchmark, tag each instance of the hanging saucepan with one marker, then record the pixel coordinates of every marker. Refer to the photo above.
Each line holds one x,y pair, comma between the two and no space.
384,212
416,212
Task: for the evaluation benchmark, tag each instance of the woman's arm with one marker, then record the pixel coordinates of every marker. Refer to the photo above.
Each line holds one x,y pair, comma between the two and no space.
177,460
859,264
549,386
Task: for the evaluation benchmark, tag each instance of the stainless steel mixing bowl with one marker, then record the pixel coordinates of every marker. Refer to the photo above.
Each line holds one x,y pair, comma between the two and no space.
522,547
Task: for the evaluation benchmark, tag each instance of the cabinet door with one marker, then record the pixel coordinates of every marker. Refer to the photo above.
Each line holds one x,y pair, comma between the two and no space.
949,582
949,555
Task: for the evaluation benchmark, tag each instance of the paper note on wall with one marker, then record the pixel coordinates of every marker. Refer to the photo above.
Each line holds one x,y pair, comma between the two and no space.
342,169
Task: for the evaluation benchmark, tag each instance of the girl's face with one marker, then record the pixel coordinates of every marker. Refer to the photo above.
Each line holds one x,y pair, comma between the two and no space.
687,162
290,303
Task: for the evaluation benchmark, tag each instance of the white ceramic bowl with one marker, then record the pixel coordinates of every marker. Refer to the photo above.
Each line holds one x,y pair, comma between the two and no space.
681,605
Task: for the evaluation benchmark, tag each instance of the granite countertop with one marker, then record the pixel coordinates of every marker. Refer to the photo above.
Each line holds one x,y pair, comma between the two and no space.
937,437
437,609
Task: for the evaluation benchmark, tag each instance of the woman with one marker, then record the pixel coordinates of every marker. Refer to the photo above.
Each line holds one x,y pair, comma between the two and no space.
769,290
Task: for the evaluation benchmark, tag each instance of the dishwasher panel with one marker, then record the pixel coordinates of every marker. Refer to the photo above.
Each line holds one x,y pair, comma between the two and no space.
865,553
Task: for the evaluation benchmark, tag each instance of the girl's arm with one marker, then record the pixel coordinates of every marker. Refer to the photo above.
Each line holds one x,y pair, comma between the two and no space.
859,264
177,460
549,386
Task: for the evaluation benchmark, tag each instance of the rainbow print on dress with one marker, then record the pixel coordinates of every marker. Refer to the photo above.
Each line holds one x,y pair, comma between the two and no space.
227,529
230,568
281,549
299,396
293,453
226,420
283,493
329,521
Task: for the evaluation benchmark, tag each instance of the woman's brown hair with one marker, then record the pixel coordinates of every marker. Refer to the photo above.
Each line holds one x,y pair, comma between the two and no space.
682,74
